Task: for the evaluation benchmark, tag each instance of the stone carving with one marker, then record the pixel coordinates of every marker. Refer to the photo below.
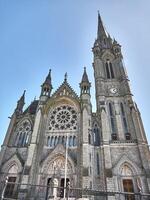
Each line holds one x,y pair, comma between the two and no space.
126,171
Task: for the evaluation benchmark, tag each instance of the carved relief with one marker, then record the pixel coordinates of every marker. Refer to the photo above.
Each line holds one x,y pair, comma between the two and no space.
126,171
56,165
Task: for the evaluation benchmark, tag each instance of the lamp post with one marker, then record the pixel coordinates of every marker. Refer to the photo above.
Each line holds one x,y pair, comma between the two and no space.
3,192
66,158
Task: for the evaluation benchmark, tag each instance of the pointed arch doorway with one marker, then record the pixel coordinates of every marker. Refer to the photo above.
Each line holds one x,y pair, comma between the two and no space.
128,187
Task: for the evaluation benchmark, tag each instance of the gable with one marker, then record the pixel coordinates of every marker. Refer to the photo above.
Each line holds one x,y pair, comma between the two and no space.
65,90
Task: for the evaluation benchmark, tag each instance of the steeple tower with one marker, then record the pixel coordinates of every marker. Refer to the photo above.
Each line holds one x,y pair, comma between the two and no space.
85,84
47,86
20,104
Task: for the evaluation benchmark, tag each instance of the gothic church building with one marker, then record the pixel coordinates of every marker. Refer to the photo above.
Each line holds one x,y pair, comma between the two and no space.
59,139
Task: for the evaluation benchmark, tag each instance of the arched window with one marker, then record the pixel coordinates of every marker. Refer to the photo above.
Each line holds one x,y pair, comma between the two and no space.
112,121
12,177
63,140
96,135
55,141
70,141
59,140
97,160
89,137
124,122
52,142
23,132
74,141
123,118
109,70
48,141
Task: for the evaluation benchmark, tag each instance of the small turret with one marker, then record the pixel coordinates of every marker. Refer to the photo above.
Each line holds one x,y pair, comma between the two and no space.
116,48
20,104
85,84
47,86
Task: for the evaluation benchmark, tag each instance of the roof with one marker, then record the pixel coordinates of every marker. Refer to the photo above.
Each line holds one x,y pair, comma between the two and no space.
32,107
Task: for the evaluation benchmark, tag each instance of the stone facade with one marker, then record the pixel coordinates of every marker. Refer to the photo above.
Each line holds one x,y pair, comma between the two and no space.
104,150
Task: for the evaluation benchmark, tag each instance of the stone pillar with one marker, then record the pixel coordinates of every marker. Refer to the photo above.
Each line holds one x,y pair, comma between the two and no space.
7,137
107,154
26,178
55,186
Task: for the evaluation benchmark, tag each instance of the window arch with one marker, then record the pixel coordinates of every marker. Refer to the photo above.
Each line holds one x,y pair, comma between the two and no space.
74,141
12,178
124,122
70,141
89,138
52,142
123,118
48,141
96,135
55,141
109,70
97,161
63,140
112,121
23,132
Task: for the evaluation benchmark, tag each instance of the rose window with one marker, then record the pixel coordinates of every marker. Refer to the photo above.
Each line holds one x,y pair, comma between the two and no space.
62,118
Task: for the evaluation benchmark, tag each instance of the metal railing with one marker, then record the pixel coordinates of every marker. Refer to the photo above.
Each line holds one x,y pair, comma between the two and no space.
17,191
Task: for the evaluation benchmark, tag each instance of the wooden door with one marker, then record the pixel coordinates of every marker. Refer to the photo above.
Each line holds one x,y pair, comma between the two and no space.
128,187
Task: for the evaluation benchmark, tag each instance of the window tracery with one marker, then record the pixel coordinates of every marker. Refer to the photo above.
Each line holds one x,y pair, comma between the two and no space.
62,118
22,133
109,70
53,141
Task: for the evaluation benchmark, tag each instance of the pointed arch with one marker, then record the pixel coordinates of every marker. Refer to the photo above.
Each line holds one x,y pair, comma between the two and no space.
124,122
112,118
74,141
128,173
23,133
96,134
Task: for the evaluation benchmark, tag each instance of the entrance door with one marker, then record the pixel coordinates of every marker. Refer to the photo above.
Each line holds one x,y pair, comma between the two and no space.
48,189
128,187
62,184
9,191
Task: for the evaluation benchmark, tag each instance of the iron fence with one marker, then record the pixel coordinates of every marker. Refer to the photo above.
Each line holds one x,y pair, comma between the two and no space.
14,191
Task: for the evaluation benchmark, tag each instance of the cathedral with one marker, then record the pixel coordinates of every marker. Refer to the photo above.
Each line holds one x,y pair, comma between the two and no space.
57,140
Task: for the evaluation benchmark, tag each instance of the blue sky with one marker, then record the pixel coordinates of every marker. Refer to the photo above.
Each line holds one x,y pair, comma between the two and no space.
37,35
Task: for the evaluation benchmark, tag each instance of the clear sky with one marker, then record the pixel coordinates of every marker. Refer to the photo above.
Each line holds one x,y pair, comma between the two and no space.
36,35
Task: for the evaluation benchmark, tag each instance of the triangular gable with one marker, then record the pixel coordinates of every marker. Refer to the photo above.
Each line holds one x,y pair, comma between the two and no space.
125,159
65,90
14,159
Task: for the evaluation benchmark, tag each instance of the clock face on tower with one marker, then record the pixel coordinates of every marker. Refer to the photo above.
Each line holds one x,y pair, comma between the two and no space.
113,90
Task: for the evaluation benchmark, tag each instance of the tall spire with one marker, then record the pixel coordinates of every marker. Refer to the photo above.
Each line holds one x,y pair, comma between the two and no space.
47,85
101,30
20,103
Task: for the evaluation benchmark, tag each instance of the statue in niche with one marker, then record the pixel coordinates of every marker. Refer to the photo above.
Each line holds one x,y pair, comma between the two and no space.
126,171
